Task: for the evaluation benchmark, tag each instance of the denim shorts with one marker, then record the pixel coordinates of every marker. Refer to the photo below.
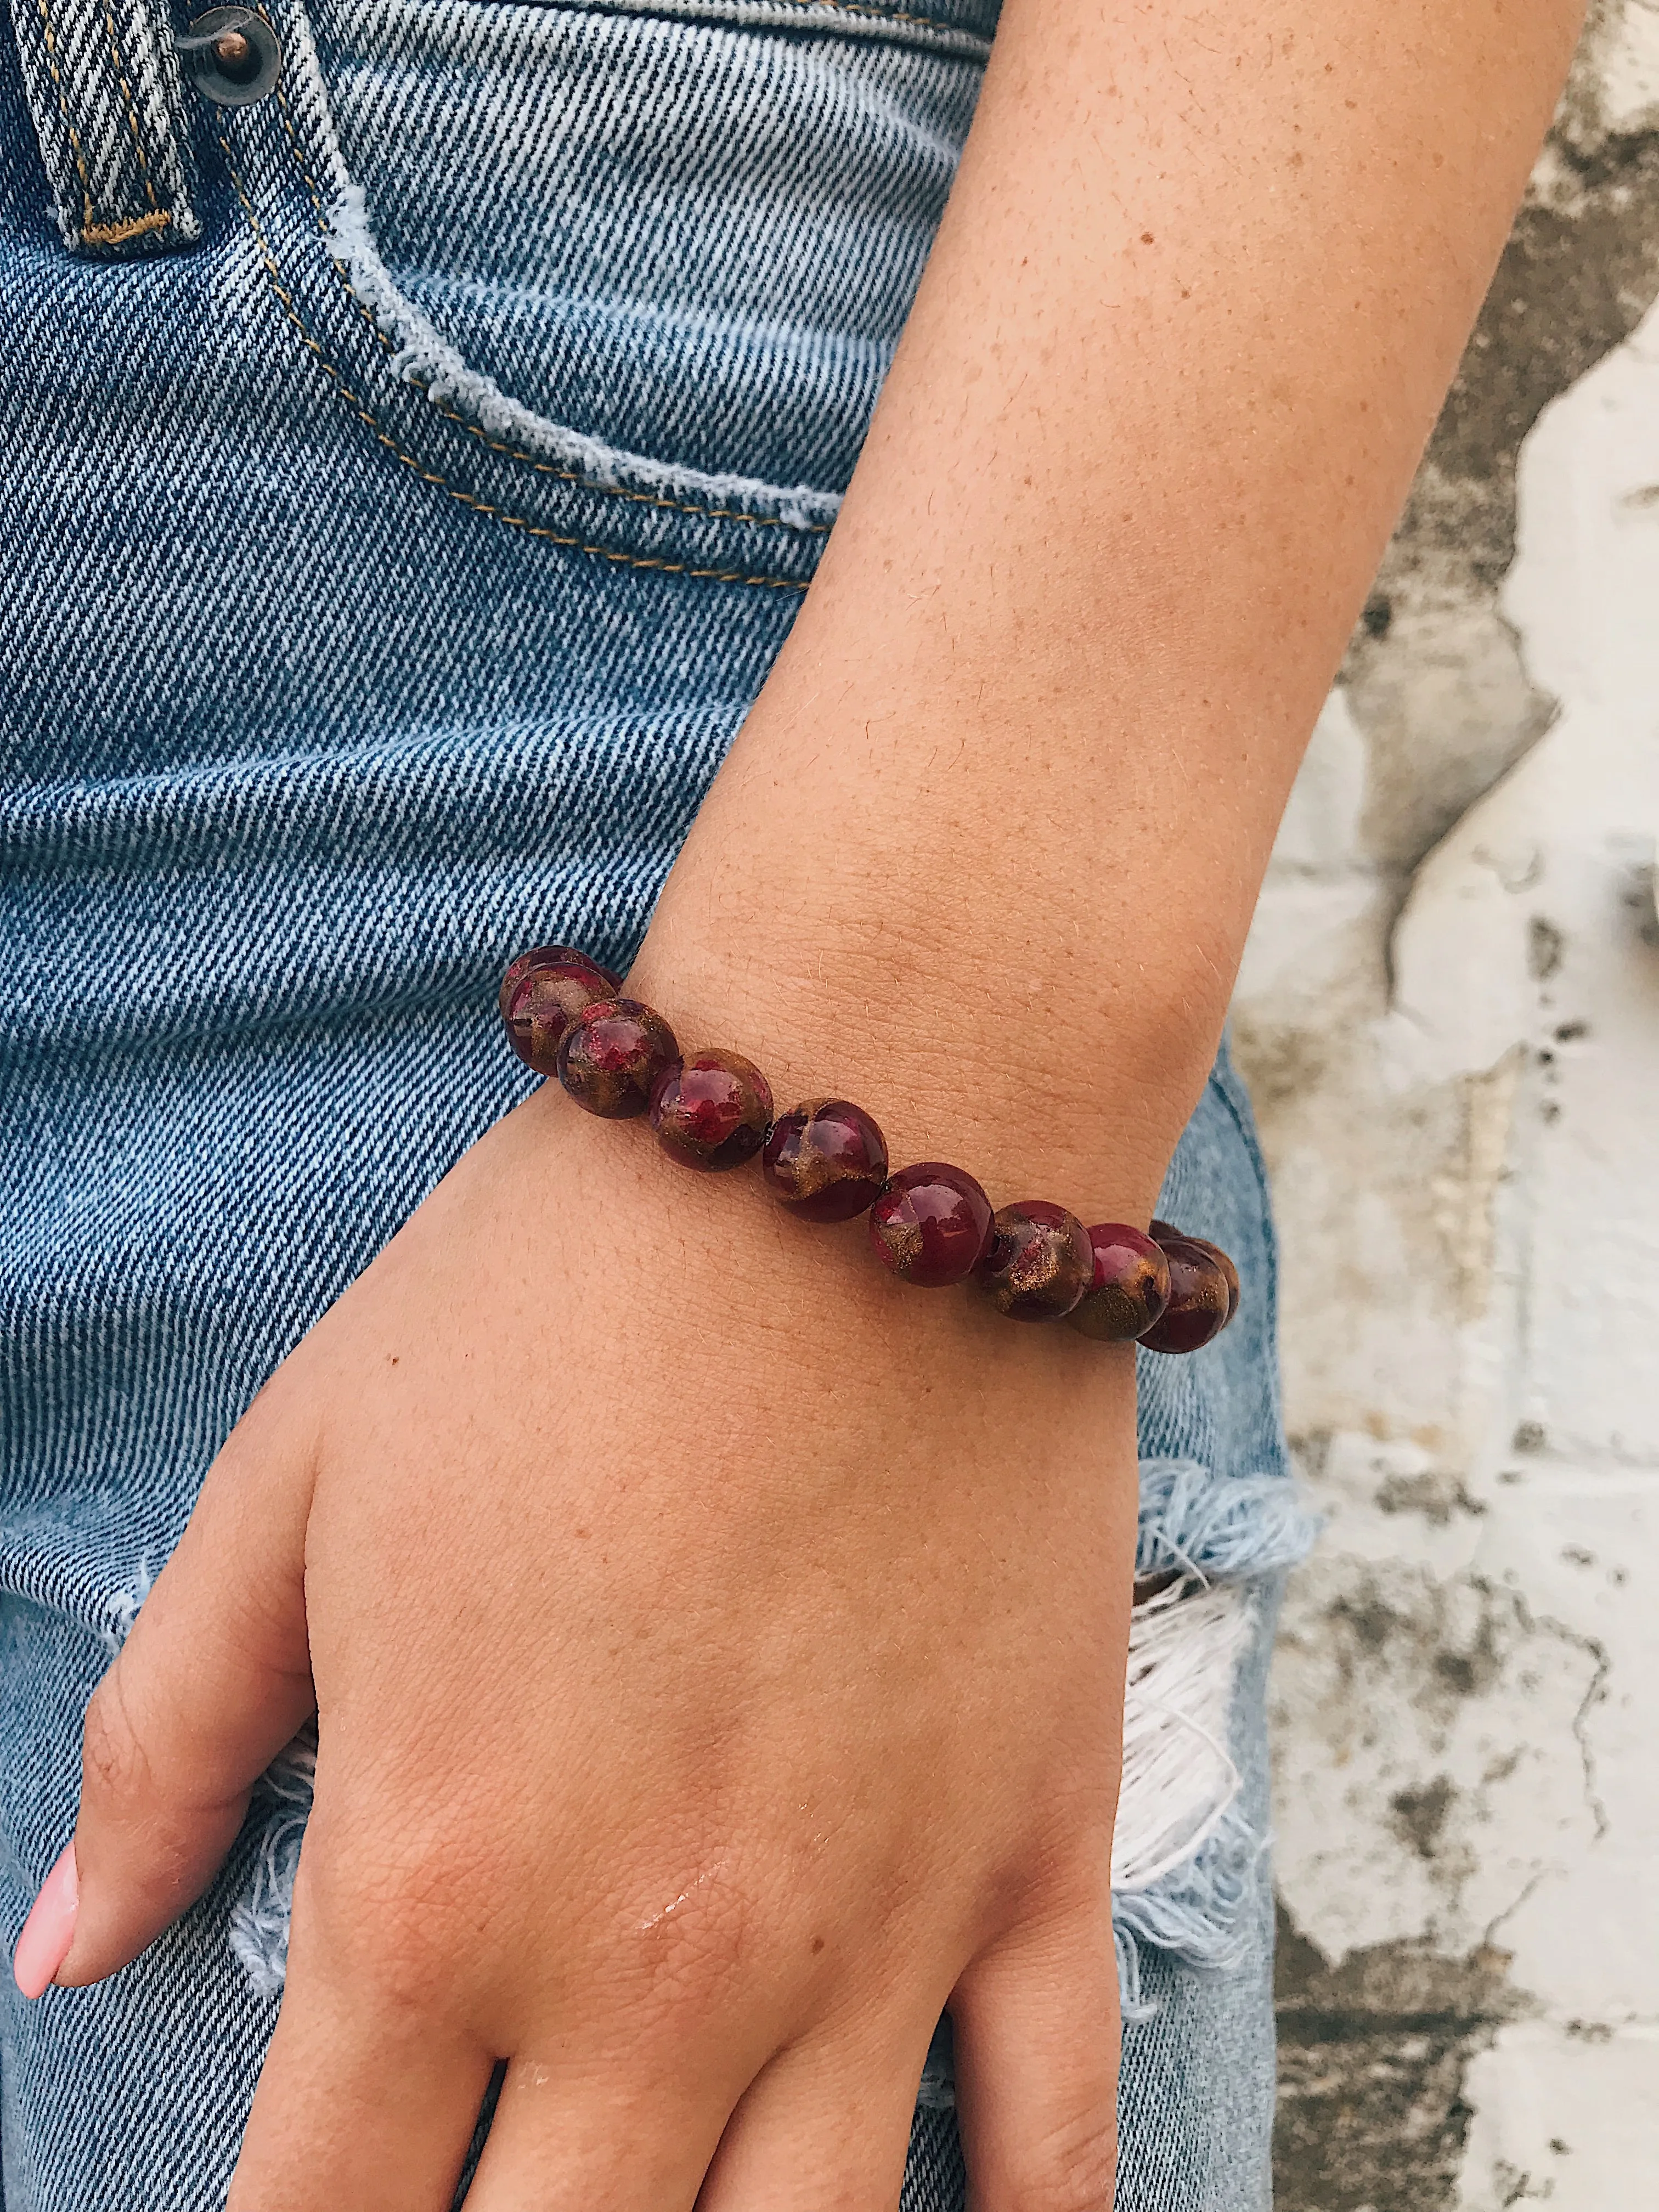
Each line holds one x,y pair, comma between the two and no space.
409,474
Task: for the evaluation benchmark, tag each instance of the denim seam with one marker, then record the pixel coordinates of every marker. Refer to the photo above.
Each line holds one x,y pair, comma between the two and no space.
285,299
50,45
938,36
831,8
94,232
106,105
1226,1083
475,430
420,350
132,125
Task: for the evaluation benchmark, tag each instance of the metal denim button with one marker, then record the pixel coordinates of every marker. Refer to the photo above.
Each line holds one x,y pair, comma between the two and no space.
232,56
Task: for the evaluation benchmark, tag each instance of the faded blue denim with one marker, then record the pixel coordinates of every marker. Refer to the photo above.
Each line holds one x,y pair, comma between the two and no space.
406,484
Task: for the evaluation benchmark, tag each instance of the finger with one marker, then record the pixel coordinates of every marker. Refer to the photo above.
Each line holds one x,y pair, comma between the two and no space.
372,2087
621,2137
1036,2060
213,1682
825,2128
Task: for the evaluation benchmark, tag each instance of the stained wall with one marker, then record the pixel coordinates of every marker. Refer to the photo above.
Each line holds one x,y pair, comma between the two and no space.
1450,1015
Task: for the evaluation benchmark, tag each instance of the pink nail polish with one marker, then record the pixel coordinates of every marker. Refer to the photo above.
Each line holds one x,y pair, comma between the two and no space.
43,1944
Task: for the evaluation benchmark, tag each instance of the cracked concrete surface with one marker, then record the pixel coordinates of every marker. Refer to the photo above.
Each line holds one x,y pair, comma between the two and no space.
1449,1012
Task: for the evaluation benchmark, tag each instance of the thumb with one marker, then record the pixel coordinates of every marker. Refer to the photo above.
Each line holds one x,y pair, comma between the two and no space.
213,1682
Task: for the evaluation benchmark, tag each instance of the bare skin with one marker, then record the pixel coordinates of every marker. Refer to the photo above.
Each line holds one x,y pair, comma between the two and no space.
717,1649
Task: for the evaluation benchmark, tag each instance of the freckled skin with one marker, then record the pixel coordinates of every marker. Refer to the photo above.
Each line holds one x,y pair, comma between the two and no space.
931,1225
711,1110
825,1160
1039,1261
542,992
610,1055
1128,1288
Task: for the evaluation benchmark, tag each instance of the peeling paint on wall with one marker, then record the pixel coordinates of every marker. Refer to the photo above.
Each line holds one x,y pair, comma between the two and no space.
1449,1016
1433,676
1373,2054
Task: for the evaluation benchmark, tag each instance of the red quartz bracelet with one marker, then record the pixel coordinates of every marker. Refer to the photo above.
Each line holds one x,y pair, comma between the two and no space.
826,1160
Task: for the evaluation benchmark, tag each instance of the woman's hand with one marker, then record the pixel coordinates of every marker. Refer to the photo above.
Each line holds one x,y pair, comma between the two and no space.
717,1651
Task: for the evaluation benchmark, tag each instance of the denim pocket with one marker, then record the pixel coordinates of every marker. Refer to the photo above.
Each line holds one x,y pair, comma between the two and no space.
641,274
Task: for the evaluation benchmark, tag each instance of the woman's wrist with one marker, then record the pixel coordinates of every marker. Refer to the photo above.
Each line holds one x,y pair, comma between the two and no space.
826,1161
921,893
1041,1065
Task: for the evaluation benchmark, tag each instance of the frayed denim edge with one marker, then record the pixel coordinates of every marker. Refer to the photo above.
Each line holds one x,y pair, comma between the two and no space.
259,1920
1244,1530
1234,1530
425,359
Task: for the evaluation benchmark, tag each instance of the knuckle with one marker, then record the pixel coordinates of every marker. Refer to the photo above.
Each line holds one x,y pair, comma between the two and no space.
138,1836
394,1926
1074,2169
114,1764
411,1962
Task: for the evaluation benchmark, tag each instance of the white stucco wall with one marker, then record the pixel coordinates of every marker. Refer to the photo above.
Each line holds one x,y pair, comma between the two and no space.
1454,1043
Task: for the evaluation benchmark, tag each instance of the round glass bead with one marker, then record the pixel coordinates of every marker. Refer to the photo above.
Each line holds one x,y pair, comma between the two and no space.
612,1055
1038,1263
1199,1300
1128,1285
825,1160
931,1224
1233,1289
712,1109
541,992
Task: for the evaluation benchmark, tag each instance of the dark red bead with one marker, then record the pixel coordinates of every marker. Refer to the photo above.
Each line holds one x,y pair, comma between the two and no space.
825,1160
712,1109
931,1224
612,1055
1128,1285
1038,1262
541,992
543,956
1199,1300
1233,1289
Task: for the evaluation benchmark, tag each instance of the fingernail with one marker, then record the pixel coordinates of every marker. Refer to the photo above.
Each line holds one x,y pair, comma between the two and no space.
47,1932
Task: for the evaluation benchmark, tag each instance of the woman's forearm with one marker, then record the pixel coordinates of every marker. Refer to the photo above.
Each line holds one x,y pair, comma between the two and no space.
986,851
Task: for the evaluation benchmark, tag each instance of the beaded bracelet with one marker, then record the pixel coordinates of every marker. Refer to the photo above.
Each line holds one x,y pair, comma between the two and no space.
826,1160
